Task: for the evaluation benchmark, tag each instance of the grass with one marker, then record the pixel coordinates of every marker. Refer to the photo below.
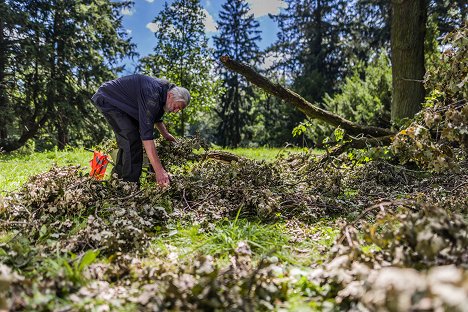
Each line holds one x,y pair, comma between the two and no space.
15,169
224,238
266,153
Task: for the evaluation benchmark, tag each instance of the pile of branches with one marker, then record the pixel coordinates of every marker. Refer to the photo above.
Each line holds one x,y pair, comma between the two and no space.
417,261
110,215
413,260
117,216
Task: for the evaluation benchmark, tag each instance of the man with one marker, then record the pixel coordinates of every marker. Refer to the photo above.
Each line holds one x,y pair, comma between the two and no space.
133,105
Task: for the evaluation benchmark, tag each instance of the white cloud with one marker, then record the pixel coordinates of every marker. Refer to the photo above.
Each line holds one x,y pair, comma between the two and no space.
210,24
129,32
270,60
150,1
153,27
264,7
127,11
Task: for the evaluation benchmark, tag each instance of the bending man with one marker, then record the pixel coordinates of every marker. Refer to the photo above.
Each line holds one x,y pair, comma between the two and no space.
133,105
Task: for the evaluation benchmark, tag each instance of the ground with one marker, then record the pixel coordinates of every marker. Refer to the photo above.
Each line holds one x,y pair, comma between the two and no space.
274,230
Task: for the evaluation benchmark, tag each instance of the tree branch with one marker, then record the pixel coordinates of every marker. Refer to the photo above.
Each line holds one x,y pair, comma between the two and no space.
299,102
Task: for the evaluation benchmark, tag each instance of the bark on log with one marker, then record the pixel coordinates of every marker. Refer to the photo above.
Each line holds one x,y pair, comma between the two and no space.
299,102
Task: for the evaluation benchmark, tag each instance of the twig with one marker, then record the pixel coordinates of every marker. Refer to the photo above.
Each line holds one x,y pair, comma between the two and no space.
185,199
458,186
128,197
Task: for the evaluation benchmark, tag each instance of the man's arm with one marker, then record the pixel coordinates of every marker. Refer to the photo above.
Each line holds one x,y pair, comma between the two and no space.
161,175
162,129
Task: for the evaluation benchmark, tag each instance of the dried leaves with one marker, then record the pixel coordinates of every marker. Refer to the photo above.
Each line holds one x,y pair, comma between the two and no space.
438,136
400,262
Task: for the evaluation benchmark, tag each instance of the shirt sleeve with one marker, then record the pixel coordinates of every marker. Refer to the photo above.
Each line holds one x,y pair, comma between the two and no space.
147,111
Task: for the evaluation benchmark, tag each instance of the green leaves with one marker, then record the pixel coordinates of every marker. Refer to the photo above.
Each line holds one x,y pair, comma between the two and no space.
182,56
88,258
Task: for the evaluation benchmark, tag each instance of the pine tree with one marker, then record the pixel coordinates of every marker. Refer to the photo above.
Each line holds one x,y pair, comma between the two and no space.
62,51
289,44
238,37
182,56
310,45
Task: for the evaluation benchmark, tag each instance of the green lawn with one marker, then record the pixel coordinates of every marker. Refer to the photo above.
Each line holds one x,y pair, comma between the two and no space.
15,169
266,153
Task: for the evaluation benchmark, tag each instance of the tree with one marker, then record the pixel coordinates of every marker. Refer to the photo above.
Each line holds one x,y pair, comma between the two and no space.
63,50
309,109
238,37
309,45
182,56
7,17
407,42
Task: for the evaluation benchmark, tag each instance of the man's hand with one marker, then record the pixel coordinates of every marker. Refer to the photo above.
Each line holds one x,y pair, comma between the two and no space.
161,175
162,178
169,137
162,129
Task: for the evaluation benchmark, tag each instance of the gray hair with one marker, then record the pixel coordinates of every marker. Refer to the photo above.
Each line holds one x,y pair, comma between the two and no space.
180,94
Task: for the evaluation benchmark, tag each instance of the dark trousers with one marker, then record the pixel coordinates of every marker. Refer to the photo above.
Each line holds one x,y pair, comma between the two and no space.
130,156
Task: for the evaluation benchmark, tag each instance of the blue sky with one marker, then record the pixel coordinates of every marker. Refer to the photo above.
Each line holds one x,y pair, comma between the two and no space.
137,21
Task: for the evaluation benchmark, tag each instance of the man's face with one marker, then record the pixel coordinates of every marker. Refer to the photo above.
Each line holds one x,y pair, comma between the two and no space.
173,106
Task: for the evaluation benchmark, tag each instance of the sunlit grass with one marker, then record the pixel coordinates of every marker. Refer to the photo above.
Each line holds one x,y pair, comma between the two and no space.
223,240
266,153
15,169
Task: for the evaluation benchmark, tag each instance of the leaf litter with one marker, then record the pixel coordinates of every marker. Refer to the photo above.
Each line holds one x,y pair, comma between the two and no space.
403,243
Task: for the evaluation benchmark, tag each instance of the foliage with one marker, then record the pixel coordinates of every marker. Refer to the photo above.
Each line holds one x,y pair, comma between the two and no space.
439,134
182,56
422,239
364,98
384,277
58,53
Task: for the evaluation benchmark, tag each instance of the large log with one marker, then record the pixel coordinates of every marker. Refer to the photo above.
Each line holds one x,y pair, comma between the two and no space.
299,102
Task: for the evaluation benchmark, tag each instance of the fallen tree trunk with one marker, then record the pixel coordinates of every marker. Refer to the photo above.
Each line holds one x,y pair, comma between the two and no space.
302,104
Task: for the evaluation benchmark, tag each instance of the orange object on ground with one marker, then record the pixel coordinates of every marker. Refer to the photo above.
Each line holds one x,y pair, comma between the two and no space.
98,165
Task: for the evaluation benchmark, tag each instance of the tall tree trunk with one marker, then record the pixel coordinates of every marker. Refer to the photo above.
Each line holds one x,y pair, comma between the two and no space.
3,57
182,123
407,43
62,133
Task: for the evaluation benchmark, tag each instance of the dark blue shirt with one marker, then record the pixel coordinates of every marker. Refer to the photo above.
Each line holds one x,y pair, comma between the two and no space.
141,97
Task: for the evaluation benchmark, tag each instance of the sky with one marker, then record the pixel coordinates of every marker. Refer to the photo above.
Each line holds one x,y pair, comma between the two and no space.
138,22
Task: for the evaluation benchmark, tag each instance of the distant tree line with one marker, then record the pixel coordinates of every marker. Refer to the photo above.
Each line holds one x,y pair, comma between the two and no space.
54,54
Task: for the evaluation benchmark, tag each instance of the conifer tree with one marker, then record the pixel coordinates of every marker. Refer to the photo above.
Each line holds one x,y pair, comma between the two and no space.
61,52
238,37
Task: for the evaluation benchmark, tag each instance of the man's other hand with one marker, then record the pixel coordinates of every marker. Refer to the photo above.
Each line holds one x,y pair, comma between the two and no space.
162,178
170,137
